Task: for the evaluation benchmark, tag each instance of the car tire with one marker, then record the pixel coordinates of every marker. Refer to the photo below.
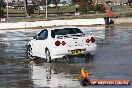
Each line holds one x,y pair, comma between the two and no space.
30,53
48,57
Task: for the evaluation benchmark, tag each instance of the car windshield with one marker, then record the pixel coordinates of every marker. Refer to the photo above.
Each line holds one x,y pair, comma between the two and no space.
65,31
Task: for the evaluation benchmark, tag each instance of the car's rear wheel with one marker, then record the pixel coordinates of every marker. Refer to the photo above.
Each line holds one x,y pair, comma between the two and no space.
48,57
30,53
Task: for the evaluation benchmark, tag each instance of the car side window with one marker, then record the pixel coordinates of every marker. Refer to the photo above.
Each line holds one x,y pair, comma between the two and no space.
43,35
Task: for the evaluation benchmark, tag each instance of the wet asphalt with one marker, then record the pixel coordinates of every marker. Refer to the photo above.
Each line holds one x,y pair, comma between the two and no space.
112,61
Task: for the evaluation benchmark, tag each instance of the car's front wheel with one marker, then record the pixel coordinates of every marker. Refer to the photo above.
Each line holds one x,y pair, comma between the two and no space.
48,57
30,53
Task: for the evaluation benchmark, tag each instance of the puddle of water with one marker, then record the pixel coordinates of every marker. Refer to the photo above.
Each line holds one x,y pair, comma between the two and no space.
113,61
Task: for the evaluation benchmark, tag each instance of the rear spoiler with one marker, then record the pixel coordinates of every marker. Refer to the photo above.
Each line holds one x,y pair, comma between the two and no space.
70,35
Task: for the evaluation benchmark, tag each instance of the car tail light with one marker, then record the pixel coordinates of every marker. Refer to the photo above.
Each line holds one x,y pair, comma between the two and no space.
87,40
57,43
63,43
92,39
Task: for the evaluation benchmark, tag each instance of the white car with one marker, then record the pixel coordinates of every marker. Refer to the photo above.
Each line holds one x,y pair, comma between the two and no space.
58,42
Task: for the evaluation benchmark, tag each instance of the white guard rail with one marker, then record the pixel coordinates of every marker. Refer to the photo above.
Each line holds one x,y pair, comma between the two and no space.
76,22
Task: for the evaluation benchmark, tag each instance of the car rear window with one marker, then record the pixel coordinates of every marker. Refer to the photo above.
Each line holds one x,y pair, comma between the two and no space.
65,31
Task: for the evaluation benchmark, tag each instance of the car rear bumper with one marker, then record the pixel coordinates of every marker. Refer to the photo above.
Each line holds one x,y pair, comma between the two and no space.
63,51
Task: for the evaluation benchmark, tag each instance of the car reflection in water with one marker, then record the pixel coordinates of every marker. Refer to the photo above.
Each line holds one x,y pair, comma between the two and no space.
57,74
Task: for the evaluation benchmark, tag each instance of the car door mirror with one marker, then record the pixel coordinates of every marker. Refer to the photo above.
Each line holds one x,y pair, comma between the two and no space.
35,37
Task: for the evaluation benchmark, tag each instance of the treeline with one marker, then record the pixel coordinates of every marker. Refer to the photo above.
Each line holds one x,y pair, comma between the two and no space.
84,6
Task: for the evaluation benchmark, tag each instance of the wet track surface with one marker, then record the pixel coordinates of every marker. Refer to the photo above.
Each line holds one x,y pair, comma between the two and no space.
112,61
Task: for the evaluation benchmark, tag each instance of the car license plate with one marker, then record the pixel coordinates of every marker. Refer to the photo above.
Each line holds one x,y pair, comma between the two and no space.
76,52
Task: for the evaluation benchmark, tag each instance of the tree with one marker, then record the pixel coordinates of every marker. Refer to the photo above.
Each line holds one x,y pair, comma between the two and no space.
38,3
26,8
43,3
86,5
2,4
129,1
18,1
83,4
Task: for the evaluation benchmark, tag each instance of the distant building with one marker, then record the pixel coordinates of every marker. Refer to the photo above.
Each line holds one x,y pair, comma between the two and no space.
111,1
118,1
